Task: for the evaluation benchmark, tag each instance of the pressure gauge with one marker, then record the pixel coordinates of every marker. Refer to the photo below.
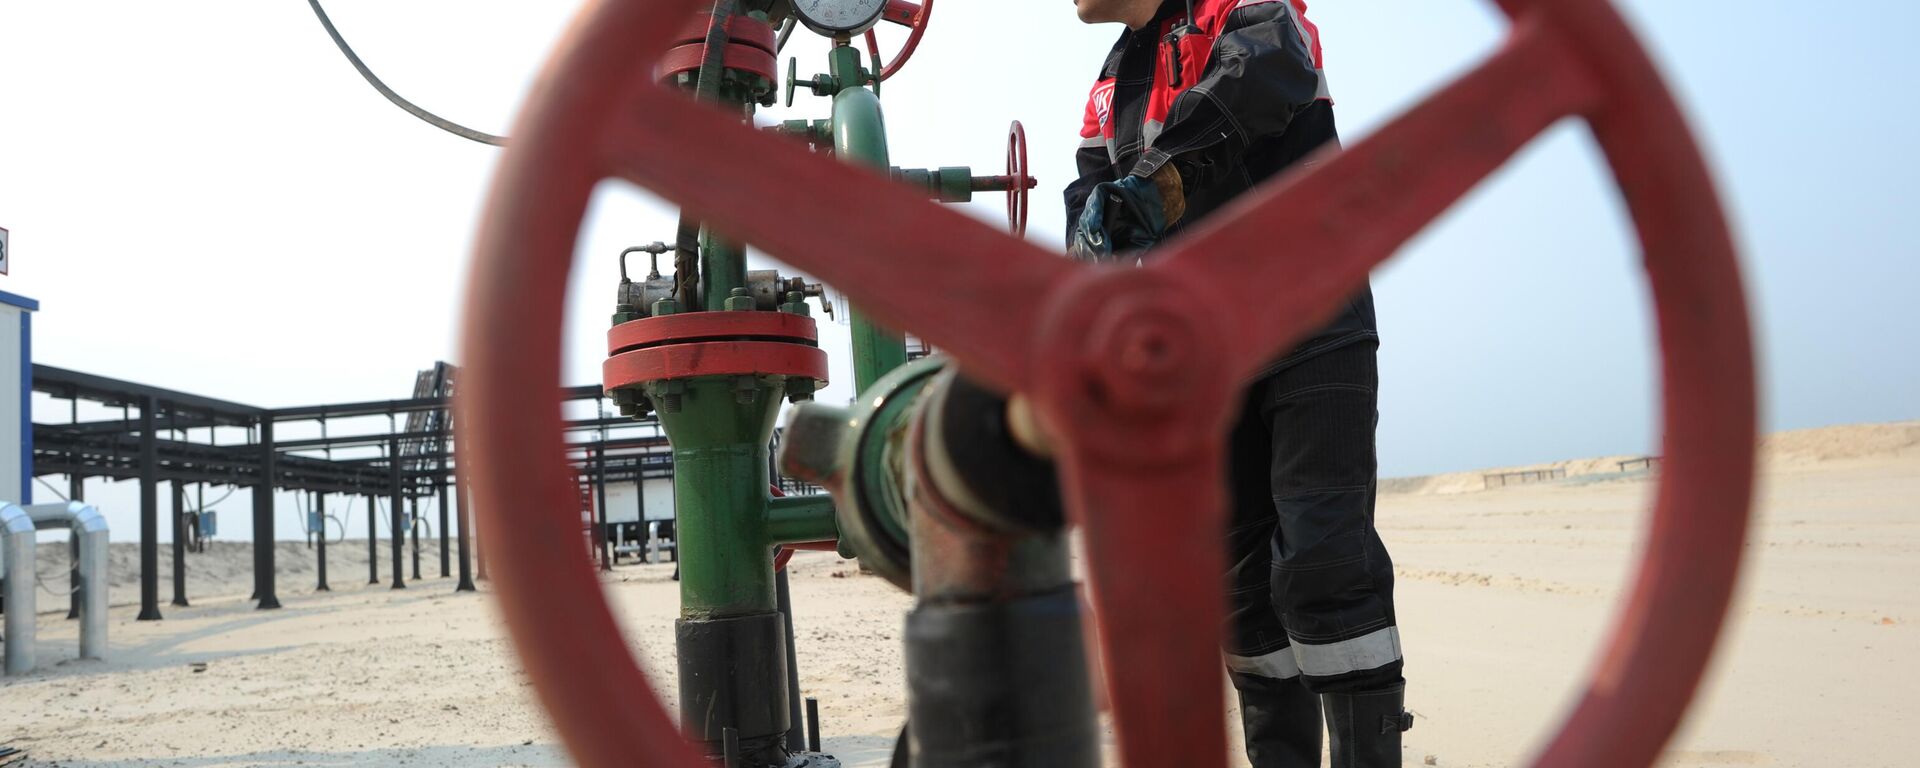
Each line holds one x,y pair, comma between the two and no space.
837,18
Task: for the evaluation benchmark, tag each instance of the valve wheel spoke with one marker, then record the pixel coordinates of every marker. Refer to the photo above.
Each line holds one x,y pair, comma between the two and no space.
913,263
1155,587
1354,208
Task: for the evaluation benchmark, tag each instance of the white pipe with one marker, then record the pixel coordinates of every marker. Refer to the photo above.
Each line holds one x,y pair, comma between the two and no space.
16,584
90,528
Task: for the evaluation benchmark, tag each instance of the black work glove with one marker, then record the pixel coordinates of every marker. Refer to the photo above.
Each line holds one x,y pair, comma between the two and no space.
1120,216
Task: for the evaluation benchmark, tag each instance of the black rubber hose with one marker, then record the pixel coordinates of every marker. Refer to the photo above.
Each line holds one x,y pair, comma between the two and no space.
413,109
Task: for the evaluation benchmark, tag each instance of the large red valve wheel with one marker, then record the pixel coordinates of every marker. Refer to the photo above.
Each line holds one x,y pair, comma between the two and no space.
1134,371
914,18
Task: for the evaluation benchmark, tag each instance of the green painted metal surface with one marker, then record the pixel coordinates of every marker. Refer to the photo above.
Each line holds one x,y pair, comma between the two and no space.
799,519
879,461
720,435
860,137
723,267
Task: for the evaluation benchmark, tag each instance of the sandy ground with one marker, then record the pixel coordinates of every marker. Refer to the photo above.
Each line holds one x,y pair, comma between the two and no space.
1503,595
226,568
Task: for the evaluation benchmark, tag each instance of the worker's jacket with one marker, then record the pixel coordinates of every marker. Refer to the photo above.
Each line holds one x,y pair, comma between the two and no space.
1230,99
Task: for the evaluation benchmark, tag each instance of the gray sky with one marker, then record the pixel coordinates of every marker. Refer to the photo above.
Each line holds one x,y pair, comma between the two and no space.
205,196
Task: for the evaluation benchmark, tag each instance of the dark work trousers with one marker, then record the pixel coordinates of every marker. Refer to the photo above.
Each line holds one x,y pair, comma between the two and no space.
1310,584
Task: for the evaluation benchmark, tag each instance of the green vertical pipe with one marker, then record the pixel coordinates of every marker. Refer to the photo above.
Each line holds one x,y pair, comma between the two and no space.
720,486
860,137
723,267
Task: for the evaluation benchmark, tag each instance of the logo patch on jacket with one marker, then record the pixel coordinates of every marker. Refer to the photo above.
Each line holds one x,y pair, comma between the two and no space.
1099,119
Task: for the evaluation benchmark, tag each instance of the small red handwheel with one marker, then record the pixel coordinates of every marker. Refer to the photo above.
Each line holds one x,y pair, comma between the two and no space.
1134,372
1019,183
907,14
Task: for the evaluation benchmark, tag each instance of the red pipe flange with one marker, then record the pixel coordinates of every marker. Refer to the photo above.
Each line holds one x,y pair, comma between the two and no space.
711,326
686,345
740,29
1133,371
751,45
906,14
741,57
713,358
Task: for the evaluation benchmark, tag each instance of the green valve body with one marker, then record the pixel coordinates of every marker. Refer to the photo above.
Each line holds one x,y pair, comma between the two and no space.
720,493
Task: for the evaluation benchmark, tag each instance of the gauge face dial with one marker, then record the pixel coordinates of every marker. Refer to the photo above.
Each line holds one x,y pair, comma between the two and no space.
839,17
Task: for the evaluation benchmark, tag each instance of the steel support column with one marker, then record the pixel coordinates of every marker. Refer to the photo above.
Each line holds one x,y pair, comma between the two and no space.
373,539
149,513
600,507
466,536
76,491
440,489
263,546
413,531
398,512
179,529
320,505
479,558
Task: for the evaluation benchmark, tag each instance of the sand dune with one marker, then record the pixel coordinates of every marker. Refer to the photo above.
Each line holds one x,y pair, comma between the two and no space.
1784,449
1858,441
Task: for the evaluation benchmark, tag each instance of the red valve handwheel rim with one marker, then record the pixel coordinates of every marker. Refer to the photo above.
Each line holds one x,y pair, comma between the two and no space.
1088,343
1019,194
917,22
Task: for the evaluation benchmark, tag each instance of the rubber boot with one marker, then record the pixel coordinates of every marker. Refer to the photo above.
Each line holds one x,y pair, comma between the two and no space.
1282,722
1364,728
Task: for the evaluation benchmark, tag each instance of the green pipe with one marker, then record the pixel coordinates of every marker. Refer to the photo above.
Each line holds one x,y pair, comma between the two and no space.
799,519
720,427
860,137
723,267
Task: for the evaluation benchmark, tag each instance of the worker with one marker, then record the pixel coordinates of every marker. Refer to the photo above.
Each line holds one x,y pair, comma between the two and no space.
1199,102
